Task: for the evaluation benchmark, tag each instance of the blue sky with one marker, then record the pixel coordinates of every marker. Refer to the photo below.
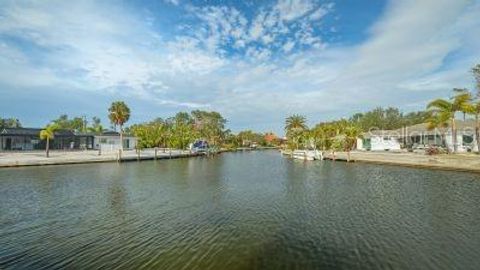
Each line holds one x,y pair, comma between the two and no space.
255,62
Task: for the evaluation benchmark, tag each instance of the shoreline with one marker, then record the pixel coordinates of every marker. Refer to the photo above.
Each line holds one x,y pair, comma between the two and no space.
457,162
447,162
37,158
60,157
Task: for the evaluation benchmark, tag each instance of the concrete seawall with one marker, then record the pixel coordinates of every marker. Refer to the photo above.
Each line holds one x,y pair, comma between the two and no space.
37,158
456,162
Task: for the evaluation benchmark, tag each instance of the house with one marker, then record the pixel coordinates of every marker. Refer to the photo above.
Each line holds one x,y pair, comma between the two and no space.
23,139
379,140
110,141
420,136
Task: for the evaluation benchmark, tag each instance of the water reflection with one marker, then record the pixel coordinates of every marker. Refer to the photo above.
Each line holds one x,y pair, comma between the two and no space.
251,210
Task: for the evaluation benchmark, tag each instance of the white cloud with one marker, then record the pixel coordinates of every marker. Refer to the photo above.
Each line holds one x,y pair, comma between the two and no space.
321,12
288,46
416,50
292,9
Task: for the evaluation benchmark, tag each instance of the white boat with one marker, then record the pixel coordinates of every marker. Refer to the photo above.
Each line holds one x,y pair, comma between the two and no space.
307,155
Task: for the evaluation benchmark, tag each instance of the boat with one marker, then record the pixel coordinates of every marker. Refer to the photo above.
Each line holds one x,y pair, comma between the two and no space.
199,146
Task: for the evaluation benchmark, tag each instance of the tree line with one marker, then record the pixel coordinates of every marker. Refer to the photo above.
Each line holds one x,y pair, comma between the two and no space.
183,128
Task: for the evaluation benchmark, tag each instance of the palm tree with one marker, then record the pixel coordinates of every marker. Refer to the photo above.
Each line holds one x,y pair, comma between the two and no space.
96,127
119,113
48,134
295,125
351,133
436,121
447,109
474,109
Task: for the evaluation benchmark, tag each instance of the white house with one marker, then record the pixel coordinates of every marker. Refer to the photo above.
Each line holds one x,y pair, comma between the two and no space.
420,136
110,141
381,140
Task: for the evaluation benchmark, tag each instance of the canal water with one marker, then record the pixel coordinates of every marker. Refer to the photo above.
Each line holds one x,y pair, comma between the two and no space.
250,210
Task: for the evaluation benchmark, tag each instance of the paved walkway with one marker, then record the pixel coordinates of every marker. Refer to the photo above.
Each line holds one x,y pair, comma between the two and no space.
37,158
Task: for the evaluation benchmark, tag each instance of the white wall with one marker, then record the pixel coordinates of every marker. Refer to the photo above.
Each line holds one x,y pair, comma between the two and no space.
461,147
112,143
381,143
360,144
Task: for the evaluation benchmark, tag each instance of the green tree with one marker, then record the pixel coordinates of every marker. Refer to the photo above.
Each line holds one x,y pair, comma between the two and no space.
295,125
209,126
96,126
439,121
48,133
182,130
389,118
351,134
74,124
473,108
447,109
337,145
10,123
119,114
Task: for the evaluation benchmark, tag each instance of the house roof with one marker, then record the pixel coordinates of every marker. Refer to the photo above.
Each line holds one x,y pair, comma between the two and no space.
60,132
382,133
32,132
421,129
111,133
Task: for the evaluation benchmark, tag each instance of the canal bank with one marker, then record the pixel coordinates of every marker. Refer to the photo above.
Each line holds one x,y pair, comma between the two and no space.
457,162
20,159
38,158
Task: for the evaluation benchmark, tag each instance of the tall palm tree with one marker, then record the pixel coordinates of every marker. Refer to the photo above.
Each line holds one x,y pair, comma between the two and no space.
119,113
295,125
474,109
48,134
295,122
447,109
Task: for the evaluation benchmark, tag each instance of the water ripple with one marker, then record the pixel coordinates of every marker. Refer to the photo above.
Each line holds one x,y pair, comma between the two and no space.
252,210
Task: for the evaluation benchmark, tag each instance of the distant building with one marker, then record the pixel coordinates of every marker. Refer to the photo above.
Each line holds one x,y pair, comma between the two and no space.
419,136
27,139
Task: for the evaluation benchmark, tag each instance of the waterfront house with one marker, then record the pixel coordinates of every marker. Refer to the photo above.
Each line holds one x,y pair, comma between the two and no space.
379,140
110,141
24,139
420,136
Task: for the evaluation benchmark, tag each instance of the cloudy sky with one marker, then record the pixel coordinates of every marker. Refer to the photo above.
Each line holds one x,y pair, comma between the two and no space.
255,62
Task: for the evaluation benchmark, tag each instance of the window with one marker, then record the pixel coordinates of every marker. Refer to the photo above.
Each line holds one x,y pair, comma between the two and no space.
467,139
